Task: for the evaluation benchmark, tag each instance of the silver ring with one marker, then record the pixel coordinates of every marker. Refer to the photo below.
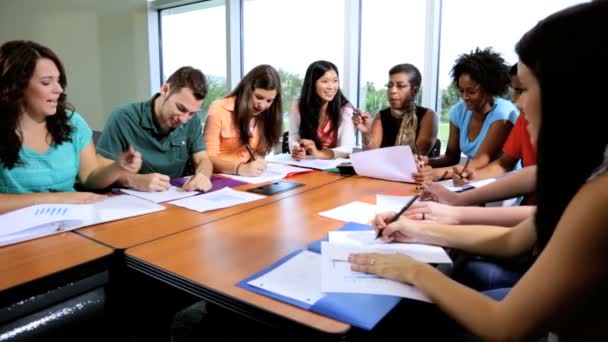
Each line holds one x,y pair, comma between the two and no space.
423,216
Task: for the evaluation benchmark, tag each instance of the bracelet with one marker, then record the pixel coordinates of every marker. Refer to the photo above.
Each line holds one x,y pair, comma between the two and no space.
237,169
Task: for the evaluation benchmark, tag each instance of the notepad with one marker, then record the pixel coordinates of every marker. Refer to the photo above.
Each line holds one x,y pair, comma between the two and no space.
394,203
173,193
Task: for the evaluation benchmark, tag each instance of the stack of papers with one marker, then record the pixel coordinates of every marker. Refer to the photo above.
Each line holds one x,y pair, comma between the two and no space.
47,219
222,198
273,173
319,164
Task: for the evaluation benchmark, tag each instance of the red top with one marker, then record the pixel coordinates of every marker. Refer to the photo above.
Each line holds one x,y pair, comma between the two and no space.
518,144
327,136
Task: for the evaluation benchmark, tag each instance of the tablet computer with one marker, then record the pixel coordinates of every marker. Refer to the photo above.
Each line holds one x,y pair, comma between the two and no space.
275,187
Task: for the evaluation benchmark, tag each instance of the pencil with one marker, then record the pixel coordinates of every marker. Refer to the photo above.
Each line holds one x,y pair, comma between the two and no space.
250,152
396,217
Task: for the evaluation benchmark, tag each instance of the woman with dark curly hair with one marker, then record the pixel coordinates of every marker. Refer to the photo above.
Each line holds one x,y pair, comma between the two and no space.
320,120
481,122
44,144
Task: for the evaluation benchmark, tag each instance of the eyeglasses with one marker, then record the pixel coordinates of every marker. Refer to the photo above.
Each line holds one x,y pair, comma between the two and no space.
399,86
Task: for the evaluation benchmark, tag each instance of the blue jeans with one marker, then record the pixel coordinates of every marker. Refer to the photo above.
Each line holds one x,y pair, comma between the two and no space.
484,274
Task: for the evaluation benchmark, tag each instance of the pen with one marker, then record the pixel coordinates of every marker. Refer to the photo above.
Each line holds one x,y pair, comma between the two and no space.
465,166
250,152
396,217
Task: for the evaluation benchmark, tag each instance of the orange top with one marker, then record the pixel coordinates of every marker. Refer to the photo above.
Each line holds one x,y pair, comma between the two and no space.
222,137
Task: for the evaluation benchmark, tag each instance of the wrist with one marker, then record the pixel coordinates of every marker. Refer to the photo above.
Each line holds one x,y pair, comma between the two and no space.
415,272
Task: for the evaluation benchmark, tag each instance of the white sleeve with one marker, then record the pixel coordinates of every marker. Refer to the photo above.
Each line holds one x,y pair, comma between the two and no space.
294,124
346,134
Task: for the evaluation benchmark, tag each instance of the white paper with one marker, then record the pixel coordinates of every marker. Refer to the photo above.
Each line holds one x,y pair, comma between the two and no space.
367,239
449,184
337,276
43,214
391,203
173,193
395,163
298,278
359,212
319,164
46,219
222,198
273,173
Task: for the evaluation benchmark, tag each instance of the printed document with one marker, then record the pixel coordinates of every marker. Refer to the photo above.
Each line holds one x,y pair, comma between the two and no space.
222,198
46,219
337,276
367,238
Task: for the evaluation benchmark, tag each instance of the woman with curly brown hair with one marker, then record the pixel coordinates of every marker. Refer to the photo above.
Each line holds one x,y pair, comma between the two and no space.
44,144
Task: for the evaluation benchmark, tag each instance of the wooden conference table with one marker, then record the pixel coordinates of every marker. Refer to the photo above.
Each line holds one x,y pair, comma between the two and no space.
209,260
134,231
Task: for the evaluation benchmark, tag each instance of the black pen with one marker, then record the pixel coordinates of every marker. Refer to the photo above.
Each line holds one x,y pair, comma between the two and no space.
250,152
396,217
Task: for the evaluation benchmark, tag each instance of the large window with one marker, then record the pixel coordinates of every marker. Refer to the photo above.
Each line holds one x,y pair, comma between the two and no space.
289,35
467,24
195,35
392,32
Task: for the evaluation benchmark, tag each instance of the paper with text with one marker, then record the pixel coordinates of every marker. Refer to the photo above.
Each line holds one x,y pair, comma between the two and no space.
46,219
222,198
337,276
298,278
421,252
273,173
173,193
319,164
358,212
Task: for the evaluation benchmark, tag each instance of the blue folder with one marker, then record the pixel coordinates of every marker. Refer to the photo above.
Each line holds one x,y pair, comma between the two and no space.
360,310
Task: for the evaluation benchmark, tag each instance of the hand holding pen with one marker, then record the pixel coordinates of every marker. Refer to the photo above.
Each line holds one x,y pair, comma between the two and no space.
462,176
385,221
298,152
254,167
362,121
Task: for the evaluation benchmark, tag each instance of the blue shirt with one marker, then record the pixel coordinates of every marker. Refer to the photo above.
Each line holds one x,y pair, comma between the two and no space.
52,171
460,116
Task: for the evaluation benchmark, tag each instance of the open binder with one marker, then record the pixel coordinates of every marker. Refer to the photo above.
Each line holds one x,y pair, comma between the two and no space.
360,310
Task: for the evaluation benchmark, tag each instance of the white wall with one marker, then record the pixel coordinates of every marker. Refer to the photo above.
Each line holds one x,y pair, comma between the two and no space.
103,45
